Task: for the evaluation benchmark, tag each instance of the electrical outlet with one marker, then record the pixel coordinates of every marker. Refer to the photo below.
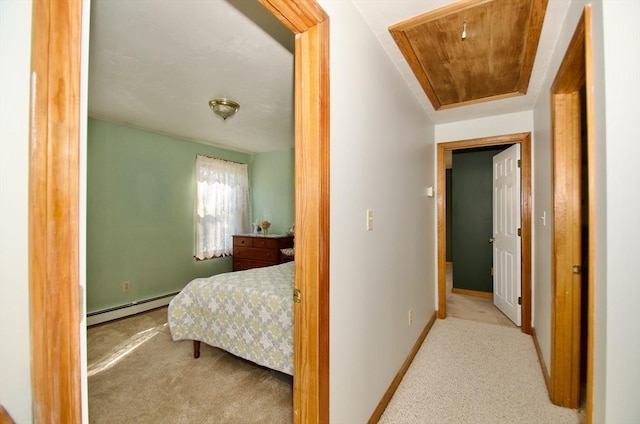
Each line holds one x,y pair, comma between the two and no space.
126,286
410,317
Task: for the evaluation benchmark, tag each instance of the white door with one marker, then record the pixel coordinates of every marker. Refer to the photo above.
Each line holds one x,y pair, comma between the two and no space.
506,241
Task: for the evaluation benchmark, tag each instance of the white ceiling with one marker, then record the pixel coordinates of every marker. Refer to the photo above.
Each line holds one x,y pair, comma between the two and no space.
155,64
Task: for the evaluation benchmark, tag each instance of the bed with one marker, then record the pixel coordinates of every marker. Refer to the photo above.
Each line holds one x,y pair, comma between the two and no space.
247,313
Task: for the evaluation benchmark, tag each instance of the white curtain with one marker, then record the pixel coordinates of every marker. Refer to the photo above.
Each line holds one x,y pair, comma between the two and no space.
222,205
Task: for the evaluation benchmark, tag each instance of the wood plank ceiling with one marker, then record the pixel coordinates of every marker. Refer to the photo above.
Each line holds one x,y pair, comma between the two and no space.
474,50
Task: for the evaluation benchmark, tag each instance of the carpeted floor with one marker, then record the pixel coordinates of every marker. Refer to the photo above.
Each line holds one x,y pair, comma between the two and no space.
137,374
476,373
472,307
476,309
474,367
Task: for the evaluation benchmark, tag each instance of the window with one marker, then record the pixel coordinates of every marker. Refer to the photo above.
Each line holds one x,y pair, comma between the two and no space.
222,205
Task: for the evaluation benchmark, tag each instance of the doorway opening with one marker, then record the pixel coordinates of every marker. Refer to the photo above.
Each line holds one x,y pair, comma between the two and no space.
573,242
444,149
54,199
470,219
483,250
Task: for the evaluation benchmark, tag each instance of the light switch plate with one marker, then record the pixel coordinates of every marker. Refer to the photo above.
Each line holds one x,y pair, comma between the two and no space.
429,191
369,219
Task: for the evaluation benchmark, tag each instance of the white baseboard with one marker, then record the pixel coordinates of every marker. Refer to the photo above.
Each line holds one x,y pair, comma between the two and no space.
124,311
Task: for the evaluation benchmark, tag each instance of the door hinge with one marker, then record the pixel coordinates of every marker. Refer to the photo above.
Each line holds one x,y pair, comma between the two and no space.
492,271
297,297
519,232
519,163
519,300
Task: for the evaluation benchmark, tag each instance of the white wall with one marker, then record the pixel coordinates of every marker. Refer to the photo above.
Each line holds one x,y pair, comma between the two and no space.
617,202
619,225
511,123
381,159
15,62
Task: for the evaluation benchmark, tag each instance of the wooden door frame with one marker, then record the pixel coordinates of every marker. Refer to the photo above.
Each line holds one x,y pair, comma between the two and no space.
54,175
310,23
576,71
54,140
524,139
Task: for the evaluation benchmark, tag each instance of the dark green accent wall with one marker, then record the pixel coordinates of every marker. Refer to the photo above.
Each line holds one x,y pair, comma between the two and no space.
140,212
472,227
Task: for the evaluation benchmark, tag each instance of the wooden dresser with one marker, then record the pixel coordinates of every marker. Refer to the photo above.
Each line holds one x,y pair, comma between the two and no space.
255,251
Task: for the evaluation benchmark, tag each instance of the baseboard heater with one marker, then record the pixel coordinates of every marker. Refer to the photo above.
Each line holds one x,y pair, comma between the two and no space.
132,308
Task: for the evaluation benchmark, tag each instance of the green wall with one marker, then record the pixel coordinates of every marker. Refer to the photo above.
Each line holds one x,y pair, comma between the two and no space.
140,212
272,177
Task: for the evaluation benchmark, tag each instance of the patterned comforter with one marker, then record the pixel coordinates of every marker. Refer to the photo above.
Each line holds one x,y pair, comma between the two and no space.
247,313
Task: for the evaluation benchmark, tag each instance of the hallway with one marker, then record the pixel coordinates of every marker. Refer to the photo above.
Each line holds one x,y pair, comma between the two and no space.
469,372
475,367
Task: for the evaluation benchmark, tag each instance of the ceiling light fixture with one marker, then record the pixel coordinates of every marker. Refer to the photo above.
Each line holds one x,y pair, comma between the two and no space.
464,30
224,108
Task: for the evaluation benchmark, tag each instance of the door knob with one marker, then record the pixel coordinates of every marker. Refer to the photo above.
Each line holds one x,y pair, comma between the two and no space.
492,240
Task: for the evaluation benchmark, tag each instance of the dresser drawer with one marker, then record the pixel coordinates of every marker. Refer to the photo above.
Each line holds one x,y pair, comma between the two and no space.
266,255
253,251
242,241
265,243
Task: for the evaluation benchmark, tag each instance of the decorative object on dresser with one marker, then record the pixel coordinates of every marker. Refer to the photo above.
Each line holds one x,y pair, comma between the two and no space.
255,251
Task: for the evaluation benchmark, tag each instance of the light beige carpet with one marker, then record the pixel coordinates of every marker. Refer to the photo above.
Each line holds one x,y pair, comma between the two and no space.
476,309
137,374
476,373
472,307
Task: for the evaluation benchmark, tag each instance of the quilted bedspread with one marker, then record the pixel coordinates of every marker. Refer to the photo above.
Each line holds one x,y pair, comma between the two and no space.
247,313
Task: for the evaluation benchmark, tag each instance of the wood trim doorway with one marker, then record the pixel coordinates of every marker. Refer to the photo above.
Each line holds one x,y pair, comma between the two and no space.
54,174
310,23
574,74
525,148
